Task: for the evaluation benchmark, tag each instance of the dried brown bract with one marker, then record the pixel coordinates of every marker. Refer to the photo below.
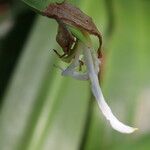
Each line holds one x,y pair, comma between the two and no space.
68,14
64,37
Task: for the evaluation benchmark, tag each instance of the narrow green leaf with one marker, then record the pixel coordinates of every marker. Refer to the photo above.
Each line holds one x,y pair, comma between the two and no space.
39,104
126,69
26,83
42,4
39,5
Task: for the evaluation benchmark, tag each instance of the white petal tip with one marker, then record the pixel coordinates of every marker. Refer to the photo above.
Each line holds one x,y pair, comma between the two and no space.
131,130
119,126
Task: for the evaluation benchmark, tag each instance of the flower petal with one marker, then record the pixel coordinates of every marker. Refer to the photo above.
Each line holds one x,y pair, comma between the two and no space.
115,123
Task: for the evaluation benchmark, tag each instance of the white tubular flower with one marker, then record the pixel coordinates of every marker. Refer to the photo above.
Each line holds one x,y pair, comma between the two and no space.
92,64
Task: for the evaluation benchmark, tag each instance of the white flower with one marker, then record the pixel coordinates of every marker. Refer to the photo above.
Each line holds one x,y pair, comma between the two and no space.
92,63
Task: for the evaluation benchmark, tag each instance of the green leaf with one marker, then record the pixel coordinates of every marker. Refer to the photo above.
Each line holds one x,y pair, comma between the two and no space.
39,5
126,71
39,99
43,110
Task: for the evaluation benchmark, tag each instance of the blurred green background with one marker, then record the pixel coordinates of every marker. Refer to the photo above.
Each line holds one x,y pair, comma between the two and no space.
41,110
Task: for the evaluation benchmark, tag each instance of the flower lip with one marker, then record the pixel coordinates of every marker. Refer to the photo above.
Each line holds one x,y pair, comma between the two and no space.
115,123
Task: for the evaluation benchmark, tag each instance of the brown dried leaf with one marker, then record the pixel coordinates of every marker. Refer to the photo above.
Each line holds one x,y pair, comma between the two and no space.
64,38
71,15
